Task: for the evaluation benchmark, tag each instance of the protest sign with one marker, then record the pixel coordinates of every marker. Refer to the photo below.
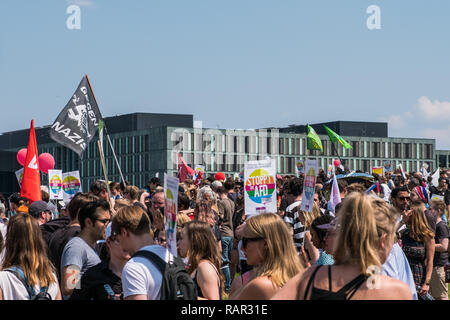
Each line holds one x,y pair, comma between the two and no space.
298,168
170,212
260,189
55,184
309,186
71,185
387,166
378,170
19,176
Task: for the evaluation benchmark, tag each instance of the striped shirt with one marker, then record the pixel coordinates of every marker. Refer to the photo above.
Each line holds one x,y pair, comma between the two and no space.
291,217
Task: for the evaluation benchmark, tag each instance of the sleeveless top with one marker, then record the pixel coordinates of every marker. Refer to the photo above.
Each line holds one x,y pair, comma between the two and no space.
199,290
345,293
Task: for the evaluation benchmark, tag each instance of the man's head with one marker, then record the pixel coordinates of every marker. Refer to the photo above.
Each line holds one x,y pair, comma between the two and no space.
229,184
342,185
296,187
100,189
400,198
78,201
41,211
153,183
216,185
131,193
115,188
442,183
158,200
94,218
128,226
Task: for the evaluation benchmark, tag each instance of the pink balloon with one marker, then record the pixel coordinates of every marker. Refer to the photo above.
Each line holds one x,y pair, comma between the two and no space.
337,163
46,162
21,156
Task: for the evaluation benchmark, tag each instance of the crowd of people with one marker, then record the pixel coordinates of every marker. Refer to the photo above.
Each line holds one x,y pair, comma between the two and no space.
386,239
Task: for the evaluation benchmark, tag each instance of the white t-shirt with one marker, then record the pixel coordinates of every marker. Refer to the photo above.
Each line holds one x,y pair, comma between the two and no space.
3,229
13,288
140,276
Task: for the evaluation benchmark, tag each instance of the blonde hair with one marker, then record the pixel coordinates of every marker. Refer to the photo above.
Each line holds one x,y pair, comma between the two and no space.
418,226
281,261
133,219
182,218
25,248
439,204
362,222
309,216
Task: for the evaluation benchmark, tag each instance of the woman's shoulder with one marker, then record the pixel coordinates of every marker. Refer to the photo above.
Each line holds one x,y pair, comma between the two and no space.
206,267
391,289
290,290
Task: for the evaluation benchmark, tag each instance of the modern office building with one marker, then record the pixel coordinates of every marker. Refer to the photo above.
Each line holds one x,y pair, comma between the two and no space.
147,144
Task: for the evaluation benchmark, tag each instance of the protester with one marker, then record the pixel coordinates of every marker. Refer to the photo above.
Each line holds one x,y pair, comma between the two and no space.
41,211
226,208
141,279
59,238
78,254
366,232
26,255
269,248
103,281
438,286
310,253
318,239
204,261
114,187
291,216
418,245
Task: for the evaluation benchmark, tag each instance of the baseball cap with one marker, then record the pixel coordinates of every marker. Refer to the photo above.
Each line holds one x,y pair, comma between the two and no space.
38,206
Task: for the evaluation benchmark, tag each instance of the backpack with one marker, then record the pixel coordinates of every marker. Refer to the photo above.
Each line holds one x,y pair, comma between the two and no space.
41,295
177,283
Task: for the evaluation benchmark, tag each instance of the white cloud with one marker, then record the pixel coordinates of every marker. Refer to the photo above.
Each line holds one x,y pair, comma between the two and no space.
436,110
426,119
82,3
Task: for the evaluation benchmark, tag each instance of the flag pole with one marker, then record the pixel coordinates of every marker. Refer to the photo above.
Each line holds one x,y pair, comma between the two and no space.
104,168
107,135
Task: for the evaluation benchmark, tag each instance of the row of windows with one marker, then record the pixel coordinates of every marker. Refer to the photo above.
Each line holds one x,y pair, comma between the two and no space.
297,146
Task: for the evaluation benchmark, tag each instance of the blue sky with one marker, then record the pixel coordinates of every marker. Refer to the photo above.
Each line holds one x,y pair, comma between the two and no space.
232,64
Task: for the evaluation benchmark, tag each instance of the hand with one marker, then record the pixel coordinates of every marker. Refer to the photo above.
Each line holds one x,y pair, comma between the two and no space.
406,215
238,231
424,289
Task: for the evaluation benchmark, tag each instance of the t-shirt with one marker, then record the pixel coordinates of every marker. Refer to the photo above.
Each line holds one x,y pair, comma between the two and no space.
13,288
57,243
3,228
397,266
226,211
141,276
77,252
440,258
292,217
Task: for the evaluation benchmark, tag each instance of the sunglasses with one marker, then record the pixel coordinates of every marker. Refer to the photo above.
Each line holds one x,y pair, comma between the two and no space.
104,221
404,198
245,241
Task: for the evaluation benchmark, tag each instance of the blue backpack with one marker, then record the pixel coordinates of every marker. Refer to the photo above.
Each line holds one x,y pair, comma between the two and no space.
42,295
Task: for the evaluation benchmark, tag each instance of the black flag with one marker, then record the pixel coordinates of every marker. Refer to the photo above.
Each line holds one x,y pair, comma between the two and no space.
77,124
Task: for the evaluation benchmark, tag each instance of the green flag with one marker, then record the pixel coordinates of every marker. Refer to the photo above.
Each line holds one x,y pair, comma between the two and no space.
335,137
313,140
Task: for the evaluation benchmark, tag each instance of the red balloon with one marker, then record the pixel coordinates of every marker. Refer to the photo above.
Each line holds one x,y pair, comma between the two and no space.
337,163
46,162
21,156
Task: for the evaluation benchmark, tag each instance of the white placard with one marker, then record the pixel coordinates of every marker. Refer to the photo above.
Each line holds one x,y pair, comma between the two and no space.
55,184
170,212
309,185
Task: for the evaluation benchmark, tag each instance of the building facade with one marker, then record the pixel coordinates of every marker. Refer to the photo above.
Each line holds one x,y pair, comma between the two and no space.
147,144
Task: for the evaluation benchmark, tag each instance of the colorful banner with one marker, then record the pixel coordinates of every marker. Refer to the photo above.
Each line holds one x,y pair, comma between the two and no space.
378,170
298,168
260,187
71,185
387,166
309,186
55,184
19,176
197,170
170,212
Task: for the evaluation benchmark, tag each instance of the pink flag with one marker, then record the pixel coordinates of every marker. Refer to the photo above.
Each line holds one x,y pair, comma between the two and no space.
184,171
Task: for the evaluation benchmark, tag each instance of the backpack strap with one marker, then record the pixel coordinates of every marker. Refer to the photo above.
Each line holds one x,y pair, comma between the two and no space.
18,272
154,258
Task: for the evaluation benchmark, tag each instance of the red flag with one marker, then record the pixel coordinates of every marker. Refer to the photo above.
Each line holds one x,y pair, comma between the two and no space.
184,171
31,183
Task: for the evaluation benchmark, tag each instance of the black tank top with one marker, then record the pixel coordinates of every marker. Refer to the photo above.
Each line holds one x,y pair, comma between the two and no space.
345,293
